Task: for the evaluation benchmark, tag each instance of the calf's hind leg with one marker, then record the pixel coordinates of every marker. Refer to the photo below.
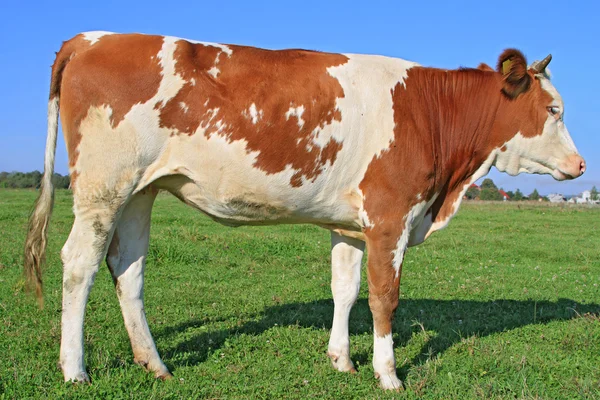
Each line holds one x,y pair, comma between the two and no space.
126,259
95,218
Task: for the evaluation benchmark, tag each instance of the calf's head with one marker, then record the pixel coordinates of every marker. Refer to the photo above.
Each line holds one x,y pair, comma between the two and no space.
532,114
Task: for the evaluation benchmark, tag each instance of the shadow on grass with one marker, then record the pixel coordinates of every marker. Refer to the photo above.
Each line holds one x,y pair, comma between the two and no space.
448,321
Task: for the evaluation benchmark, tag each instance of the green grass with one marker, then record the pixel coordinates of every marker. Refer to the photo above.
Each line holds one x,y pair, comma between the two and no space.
502,304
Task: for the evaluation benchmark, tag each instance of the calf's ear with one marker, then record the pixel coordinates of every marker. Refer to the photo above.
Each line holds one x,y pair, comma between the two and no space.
513,67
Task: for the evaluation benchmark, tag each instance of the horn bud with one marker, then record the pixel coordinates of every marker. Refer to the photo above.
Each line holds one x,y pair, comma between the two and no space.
540,66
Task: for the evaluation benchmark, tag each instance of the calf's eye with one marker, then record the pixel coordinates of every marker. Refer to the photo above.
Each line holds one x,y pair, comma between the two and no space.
553,110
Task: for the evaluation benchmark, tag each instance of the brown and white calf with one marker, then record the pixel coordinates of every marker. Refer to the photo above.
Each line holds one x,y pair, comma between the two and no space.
378,150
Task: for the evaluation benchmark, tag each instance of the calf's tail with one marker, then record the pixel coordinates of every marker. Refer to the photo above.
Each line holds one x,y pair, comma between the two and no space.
37,231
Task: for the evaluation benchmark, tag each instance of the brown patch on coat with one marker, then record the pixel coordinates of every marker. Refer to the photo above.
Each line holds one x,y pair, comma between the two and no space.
270,81
118,71
384,282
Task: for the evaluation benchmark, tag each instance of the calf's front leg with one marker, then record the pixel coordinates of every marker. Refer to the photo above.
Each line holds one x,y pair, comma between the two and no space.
386,250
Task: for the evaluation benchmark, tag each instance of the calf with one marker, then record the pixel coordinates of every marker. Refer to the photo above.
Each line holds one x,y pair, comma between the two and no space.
378,150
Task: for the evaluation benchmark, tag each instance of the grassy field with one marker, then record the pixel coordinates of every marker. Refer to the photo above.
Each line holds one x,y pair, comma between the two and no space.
504,303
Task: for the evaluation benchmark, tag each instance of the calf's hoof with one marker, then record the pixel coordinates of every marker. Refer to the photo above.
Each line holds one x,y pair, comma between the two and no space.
164,376
81,377
160,370
341,363
389,382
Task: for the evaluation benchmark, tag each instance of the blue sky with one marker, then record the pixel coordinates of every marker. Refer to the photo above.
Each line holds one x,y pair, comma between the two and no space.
443,34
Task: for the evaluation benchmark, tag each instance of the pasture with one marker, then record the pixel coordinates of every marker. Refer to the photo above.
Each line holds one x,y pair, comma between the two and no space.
504,303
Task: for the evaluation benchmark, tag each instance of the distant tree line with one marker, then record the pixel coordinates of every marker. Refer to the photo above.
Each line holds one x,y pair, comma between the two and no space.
489,191
20,180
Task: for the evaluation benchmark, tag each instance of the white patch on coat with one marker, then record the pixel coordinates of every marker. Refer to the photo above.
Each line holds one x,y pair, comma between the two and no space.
94,36
224,48
214,71
413,218
363,217
171,81
296,112
253,114
367,82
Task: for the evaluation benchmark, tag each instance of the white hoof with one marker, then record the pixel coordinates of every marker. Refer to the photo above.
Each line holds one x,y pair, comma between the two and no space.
81,377
341,362
157,366
390,382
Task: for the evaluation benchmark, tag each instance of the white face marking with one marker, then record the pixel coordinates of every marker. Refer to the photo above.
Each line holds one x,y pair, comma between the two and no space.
184,107
558,125
296,112
541,154
94,36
